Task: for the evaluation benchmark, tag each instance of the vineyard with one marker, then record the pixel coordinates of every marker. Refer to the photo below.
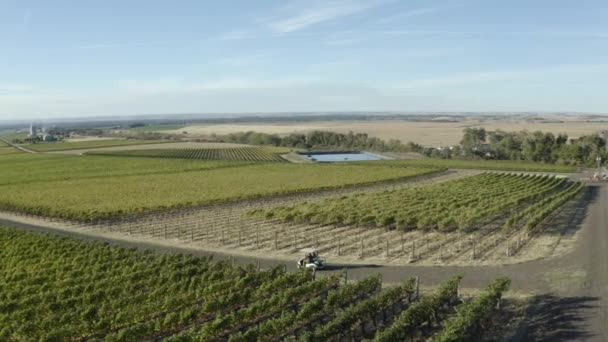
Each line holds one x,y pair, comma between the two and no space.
64,146
229,227
462,204
503,165
86,188
251,154
62,289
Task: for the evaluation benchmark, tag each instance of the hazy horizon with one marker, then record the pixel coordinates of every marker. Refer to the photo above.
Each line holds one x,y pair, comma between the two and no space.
323,116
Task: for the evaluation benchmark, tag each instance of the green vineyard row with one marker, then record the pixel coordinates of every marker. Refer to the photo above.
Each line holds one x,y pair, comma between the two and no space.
504,165
62,289
85,188
462,204
251,154
77,145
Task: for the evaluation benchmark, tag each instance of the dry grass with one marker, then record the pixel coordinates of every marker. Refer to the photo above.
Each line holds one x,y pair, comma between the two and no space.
83,138
427,133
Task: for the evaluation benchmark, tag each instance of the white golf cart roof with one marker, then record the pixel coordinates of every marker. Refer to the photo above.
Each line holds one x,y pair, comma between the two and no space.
309,250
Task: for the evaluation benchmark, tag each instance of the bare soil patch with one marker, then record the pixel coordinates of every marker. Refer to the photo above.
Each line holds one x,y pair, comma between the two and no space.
431,133
88,138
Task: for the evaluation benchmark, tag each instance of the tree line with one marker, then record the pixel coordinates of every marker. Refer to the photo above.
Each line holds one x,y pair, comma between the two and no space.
322,140
477,143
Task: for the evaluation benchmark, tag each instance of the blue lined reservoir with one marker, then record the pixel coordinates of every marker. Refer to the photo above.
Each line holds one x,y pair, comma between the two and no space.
335,157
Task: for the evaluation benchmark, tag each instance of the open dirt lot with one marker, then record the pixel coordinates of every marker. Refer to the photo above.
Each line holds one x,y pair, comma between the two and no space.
430,133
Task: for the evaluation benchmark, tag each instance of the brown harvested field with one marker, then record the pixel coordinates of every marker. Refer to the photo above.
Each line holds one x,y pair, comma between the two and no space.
88,138
175,145
431,133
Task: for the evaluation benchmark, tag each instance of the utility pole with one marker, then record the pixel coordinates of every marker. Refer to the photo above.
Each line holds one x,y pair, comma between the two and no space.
599,168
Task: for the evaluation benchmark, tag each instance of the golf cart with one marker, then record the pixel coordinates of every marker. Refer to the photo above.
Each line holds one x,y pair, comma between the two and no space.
311,259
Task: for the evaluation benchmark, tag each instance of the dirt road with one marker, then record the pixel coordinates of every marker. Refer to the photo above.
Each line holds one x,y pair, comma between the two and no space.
20,148
572,290
574,307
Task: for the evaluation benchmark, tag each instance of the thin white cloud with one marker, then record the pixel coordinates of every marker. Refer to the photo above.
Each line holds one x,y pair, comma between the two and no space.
250,95
246,59
310,13
417,12
27,17
341,41
177,86
549,33
460,79
122,45
14,88
237,35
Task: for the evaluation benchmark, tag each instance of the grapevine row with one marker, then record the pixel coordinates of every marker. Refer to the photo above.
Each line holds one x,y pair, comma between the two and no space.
251,154
427,310
118,294
461,204
468,322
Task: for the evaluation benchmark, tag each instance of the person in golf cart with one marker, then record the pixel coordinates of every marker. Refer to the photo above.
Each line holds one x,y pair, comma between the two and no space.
311,259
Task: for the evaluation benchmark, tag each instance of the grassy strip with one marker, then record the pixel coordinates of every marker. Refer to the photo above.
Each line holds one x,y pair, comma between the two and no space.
8,150
12,135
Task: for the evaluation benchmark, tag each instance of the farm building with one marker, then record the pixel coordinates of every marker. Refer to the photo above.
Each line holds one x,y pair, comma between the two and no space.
33,131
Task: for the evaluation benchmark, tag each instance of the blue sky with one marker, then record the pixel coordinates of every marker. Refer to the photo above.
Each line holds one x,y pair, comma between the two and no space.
94,58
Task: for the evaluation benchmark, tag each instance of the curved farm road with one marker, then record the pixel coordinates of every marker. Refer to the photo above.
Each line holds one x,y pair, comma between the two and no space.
571,302
20,148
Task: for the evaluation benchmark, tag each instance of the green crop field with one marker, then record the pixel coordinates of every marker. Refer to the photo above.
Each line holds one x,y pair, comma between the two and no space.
12,135
252,154
77,145
86,187
61,289
505,165
460,204
8,150
24,168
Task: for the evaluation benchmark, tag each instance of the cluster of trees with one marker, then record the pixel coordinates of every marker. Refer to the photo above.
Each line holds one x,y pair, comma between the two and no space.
321,140
477,143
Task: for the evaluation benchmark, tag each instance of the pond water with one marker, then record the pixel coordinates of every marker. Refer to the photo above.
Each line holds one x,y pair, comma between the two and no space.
339,157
